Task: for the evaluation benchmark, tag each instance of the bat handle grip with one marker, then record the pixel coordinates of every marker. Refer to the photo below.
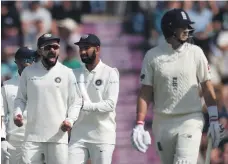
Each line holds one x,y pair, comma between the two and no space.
208,153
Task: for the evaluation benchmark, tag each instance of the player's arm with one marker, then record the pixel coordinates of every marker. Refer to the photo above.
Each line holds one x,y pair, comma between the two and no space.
145,96
143,102
74,99
204,77
108,104
20,100
216,131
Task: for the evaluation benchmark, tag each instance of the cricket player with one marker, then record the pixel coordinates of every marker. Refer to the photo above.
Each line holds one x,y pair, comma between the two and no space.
94,134
53,104
15,135
5,146
170,77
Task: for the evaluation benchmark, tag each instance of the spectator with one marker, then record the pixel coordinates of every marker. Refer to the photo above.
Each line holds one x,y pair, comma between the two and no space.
69,33
34,12
71,60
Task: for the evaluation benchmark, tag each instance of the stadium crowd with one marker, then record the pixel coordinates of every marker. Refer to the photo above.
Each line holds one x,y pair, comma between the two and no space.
24,21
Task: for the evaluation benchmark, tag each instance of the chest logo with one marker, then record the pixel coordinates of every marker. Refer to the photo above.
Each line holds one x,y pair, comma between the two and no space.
98,82
57,79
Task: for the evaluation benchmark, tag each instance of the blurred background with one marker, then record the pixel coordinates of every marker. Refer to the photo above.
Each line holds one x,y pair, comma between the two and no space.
127,30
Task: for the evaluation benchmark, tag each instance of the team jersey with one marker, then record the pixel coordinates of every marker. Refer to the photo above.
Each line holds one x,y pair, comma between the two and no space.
51,97
175,76
100,90
9,93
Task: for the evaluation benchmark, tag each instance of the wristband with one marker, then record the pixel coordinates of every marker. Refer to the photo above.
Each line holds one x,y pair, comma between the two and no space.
140,122
213,113
3,139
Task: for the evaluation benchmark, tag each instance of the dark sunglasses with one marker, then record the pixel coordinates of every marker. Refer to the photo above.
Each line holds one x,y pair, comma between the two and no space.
49,47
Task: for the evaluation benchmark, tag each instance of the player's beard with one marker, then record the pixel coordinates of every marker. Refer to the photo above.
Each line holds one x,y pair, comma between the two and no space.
50,60
88,59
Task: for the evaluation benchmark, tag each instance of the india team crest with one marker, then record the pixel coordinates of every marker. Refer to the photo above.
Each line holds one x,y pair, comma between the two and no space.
98,82
57,79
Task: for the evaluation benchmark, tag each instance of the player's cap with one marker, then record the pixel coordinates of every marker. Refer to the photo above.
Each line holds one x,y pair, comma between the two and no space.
25,54
176,18
47,39
89,39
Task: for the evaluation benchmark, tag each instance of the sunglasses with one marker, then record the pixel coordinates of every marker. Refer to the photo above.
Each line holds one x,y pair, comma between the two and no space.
49,47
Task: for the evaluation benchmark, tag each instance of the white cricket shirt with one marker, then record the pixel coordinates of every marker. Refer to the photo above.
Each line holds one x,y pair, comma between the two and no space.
51,97
3,129
175,76
100,89
9,93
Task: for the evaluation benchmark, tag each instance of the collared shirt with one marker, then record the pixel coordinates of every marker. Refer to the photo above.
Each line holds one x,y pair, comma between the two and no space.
9,93
51,96
100,89
175,76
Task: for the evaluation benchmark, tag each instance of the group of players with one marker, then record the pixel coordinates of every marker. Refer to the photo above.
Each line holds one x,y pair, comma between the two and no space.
56,115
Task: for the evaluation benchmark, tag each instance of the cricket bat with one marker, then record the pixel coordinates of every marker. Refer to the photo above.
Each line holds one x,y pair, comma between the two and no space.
209,148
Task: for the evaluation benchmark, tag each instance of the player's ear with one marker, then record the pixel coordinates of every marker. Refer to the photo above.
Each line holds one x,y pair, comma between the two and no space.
97,49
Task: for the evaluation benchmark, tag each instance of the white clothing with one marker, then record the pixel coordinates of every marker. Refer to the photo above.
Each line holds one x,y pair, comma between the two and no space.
3,128
15,155
9,93
79,153
177,138
100,89
38,153
175,76
51,97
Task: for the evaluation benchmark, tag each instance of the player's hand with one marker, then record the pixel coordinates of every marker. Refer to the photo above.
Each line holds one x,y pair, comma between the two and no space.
217,132
66,126
4,149
18,120
140,138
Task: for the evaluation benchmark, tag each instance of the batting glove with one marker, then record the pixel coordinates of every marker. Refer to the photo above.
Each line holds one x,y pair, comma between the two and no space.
4,147
216,130
140,138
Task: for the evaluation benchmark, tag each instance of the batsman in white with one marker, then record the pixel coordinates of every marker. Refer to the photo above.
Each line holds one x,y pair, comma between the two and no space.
51,96
171,75
15,135
94,134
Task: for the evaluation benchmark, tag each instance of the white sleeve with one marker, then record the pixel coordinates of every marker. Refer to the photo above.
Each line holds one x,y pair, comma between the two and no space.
146,76
3,128
74,99
21,99
111,96
203,68
5,108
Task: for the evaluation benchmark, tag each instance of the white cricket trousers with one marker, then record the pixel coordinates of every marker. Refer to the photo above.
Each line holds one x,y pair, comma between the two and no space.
44,152
80,152
177,138
15,155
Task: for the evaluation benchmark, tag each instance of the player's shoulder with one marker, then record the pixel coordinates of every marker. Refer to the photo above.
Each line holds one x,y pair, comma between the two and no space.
13,81
153,53
110,70
196,51
31,68
194,47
